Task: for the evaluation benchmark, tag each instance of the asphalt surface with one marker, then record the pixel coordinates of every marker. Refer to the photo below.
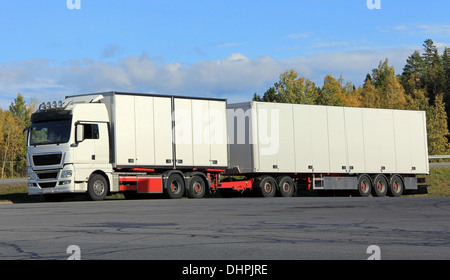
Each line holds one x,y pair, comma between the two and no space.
296,228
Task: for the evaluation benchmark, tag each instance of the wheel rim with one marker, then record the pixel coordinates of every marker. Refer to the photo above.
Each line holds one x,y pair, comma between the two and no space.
365,186
286,187
197,187
397,187
98,187
175,187
268,187
381,186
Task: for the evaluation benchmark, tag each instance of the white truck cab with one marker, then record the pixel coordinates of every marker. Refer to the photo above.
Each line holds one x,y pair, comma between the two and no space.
67,145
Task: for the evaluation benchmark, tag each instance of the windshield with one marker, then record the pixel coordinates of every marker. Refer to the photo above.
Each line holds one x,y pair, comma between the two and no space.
50,132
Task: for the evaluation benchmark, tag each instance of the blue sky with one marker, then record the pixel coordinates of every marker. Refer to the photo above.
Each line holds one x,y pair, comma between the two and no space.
228,49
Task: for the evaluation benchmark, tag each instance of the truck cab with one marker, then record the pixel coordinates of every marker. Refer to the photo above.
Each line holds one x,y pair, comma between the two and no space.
68,147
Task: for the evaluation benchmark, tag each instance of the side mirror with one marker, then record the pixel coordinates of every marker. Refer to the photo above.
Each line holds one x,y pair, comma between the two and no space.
79,133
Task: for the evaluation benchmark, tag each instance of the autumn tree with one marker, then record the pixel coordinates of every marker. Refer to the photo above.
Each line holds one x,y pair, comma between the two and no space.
413,74
290,89
437,128
391,92
369,94
331,92
12,139
434,77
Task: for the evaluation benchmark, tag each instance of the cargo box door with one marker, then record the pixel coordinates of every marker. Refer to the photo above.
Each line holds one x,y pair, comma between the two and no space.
355,140
153,131
319,137
183,132
402,141
419,149
125,138
303,138
143,130
200,133
336,138
218,134
162,116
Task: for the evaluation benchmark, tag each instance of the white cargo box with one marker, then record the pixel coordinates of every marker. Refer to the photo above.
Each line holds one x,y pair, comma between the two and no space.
160,131
294,138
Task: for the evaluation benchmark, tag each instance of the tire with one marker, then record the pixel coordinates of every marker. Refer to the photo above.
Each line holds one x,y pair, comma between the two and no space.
380,186
286,186
97,187
196,187
364,186
267,186
175,186
396,186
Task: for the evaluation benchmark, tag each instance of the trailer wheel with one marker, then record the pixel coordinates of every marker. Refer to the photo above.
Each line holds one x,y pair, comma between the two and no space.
267,186
196,187
286,186
175,186
380,185
396,186
364,186
97,187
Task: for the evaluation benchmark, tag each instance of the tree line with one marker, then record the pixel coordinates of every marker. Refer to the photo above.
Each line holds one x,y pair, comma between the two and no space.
423,85
13,149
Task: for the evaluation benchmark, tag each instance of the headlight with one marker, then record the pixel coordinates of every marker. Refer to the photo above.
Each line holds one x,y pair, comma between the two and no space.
32,176
66,173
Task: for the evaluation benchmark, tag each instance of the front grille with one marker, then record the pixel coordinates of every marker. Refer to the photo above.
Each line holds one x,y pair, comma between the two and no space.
48,159
47,185
47,175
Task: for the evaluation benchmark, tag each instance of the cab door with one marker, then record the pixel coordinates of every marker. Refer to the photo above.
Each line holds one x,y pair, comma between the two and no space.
94,147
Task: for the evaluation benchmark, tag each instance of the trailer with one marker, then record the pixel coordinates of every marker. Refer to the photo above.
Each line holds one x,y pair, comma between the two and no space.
134,143
359,150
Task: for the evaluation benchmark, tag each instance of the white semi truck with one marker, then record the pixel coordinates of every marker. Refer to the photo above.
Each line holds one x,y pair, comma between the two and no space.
133,143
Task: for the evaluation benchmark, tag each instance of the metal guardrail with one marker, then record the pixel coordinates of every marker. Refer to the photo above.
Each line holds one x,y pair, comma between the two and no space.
439,157
439,164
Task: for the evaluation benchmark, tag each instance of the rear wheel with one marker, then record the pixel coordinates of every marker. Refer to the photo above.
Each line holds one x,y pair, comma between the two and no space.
380,185
286,186
196,187
175,186
396,186
364,185
267,186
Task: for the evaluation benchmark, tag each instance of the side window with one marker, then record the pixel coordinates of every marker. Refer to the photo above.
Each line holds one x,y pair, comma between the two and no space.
91,131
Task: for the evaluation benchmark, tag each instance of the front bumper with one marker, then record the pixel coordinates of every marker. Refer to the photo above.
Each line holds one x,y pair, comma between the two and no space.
51,181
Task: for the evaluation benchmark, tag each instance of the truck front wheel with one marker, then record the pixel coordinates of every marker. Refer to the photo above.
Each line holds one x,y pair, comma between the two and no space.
97,187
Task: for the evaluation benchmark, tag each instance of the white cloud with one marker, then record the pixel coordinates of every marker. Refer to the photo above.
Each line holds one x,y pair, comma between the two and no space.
236,77
435,30
430,30
296,36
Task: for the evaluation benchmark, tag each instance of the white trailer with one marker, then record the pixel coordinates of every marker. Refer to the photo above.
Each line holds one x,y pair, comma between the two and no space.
335,147
146,143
